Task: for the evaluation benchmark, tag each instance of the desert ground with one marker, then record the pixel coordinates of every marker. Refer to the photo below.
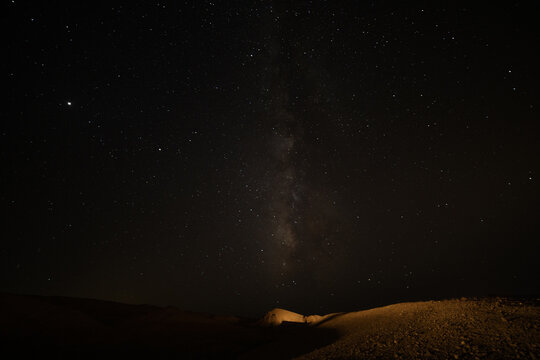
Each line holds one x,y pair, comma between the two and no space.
486,328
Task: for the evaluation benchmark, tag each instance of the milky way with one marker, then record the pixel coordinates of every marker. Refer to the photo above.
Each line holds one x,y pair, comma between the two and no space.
285,195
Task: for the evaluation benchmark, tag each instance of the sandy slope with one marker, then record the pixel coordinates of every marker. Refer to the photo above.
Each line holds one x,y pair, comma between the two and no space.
451,329
34,326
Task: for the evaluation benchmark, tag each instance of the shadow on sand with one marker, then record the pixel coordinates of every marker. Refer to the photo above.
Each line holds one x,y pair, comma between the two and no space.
290,340
252,342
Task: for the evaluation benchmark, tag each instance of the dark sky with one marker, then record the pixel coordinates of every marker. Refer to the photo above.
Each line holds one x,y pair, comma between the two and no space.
231,157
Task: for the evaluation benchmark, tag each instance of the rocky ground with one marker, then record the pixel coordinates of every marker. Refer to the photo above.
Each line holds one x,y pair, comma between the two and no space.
492,328
453,329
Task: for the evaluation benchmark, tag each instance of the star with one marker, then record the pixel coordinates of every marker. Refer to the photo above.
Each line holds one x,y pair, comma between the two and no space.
68,103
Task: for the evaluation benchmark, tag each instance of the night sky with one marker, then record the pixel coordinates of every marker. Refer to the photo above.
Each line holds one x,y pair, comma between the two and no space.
231,157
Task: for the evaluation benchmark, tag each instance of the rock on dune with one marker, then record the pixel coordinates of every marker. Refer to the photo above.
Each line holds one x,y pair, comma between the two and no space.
277,316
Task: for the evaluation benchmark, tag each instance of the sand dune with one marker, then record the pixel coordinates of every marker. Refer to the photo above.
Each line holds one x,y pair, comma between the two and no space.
452,329
34,326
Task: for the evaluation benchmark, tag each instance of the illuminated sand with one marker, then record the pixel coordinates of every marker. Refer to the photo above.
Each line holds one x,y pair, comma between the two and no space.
451,329
492,328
